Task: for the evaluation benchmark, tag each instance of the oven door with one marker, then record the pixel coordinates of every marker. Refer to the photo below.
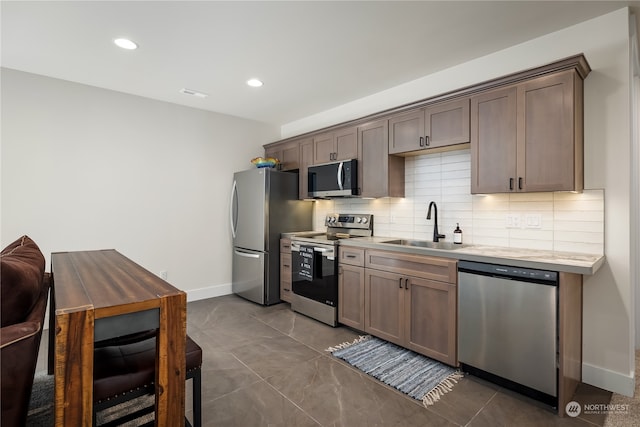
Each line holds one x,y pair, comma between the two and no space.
314,272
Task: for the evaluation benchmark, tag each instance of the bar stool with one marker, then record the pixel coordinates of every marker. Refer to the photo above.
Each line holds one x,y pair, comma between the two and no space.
126,370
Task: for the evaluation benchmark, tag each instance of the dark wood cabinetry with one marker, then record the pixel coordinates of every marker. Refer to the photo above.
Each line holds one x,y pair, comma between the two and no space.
285,270
439,125
409,300
525,131
351,288
528,137
306,160
288,154
379,174
341,144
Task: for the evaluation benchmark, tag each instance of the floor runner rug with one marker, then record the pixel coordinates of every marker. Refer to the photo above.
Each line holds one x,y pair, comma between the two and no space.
41,406
418,376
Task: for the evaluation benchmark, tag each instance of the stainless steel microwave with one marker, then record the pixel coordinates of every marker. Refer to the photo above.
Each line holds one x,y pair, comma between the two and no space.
337,179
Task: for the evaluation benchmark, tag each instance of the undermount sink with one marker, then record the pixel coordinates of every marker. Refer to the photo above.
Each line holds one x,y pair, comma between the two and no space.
425,244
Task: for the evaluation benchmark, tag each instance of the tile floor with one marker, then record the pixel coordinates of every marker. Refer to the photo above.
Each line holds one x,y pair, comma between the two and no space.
266,366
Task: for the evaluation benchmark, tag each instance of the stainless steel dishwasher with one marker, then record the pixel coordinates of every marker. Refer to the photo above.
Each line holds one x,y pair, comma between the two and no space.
508,327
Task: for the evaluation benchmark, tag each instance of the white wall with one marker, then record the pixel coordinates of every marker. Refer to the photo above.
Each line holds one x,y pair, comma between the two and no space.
608,329
87,168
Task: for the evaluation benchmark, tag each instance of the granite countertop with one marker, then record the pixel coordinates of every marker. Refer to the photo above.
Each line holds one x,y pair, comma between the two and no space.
567,262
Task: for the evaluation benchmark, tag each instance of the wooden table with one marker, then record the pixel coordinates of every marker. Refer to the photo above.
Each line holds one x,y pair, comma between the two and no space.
102,294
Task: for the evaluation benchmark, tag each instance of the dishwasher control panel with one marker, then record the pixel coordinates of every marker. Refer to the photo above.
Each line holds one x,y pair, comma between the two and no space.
508,272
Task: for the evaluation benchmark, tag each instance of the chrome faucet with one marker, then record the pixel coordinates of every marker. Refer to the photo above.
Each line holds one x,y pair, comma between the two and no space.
436,235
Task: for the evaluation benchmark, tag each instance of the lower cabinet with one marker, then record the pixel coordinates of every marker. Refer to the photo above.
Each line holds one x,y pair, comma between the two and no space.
351,288
285,270
409,300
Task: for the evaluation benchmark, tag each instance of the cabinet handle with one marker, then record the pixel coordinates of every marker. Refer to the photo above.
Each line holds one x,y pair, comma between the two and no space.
350,256
406,283
519,183
286,265
426,141
510,183
400,283
421,142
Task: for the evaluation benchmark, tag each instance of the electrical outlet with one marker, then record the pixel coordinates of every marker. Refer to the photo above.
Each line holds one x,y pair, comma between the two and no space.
513,221
533,221
163,275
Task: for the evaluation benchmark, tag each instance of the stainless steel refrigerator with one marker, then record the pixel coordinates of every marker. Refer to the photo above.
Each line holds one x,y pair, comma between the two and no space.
263,205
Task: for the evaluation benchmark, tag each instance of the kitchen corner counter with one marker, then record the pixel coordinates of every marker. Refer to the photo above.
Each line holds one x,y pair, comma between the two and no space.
567,262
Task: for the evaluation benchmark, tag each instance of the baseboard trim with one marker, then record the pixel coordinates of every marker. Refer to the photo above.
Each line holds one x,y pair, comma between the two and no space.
210,292
608,380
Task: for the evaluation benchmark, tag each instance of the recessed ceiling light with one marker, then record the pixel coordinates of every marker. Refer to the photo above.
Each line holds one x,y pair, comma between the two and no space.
125,44
193,93
254,83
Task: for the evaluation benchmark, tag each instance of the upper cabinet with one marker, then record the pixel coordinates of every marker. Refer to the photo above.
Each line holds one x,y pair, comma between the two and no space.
379,174
288,154
528,137
438,125
341,144
525,131
306,160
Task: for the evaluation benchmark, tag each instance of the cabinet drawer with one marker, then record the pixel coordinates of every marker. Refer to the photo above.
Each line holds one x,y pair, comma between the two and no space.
285,245
352,256
427,267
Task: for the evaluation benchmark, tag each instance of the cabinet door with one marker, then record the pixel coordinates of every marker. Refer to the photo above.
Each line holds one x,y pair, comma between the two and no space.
379,175
306,160
290,157
406,132
447,123
346,144
323,148
493,141
384,305
351,296
546,143
276,152
431,316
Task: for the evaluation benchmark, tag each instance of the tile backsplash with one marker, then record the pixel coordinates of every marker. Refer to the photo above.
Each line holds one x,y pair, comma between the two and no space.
561,221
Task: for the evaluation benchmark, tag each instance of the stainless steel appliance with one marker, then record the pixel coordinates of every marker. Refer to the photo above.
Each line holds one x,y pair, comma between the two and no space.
263,205
334,179
507,327
314,260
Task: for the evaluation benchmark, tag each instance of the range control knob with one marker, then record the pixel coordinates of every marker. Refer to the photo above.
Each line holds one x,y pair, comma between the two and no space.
364,220
358,220
328,219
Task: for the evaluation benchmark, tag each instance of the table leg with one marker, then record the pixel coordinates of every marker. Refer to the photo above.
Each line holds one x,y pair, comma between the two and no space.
74,368
170,361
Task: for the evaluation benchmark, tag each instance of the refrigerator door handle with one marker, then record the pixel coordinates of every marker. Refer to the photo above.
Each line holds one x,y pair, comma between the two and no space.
246,255
234,193
340,175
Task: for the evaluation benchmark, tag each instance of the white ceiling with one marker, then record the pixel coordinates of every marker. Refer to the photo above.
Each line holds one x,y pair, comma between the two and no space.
312,56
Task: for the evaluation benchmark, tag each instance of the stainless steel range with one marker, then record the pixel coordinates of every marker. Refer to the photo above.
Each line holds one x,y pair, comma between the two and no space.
314,262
